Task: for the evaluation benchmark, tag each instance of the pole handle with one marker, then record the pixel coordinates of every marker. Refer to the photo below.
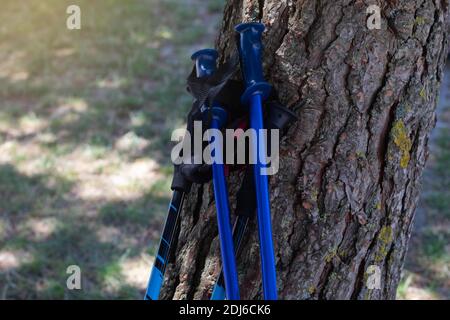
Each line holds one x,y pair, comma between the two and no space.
205,65
250,52
205,62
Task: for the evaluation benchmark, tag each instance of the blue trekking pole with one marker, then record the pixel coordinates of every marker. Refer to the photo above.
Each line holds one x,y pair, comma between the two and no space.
165,245
218,115
257,90
278,118
240,226
180,186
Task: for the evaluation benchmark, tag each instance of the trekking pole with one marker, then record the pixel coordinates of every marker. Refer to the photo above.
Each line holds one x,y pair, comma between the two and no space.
166,242
245,210
180,186
257,90
279,118
218,119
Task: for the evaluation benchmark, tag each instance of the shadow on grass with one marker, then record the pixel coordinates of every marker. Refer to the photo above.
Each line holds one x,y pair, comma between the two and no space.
18,192
39,254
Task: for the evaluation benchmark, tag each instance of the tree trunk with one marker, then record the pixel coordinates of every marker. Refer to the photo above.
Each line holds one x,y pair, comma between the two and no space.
344,198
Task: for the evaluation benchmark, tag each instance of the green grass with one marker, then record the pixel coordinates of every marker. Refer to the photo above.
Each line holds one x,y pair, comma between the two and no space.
216,5
435,247
85,124
404,285
122,213
443,157
440,201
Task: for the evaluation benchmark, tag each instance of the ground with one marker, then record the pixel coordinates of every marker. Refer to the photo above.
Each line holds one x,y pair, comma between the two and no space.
85,120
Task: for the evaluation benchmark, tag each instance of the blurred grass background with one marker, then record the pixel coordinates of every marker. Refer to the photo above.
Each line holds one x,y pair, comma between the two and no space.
85,124
85,120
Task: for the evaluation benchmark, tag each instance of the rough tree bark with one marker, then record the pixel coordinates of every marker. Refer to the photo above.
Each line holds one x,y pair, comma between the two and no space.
345,195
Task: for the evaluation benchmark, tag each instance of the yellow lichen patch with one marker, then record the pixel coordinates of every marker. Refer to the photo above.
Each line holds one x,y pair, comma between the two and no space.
386,234
423,93
378,206
420,21
367,295
330,255
314,195
360,154
311,290
342,253
385,238
402,141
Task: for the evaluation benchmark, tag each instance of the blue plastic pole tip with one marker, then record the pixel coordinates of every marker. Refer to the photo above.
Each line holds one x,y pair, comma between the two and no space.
154,284
257,26
218,293
205,61
250,51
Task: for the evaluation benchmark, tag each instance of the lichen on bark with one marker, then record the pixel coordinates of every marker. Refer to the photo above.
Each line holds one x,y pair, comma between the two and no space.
402,141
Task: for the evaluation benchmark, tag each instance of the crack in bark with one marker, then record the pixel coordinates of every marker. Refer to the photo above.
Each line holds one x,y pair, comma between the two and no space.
383,143
202,255
316,17
323,280
198,205
261,9
359,281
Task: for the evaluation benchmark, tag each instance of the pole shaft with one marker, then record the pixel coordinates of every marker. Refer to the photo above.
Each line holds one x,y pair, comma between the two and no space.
162,257
263,203
223,221
239,229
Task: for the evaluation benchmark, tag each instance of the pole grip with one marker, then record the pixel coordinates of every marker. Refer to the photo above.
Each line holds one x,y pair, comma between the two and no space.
205,62
250,52
205,65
